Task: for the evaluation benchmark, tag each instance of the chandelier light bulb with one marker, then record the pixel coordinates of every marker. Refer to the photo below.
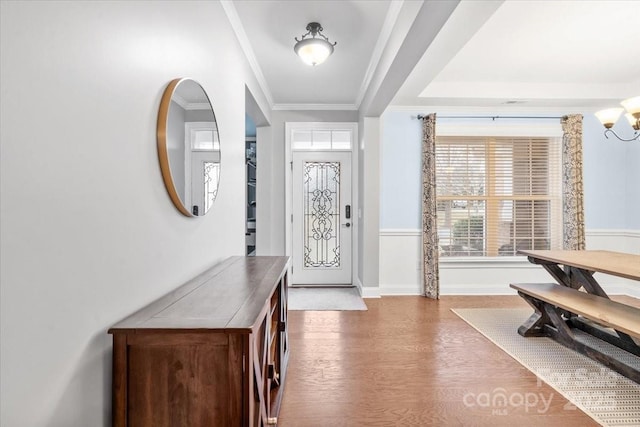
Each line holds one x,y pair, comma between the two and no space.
609,116
635,123
632,105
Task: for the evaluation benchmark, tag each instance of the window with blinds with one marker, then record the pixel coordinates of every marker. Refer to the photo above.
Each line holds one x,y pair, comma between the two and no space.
498,195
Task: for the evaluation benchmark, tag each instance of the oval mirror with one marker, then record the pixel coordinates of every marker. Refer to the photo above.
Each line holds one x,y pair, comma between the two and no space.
188,147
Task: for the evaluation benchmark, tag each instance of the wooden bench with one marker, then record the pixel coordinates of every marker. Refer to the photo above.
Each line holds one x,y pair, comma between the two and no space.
560,310
606,312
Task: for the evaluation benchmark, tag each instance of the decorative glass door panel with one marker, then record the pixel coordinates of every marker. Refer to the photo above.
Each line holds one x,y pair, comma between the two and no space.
321,220
321,213
211,176
204,171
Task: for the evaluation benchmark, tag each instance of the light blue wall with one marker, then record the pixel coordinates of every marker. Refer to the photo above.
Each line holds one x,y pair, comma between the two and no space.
611,175
608,197
249,126
633,184
400,186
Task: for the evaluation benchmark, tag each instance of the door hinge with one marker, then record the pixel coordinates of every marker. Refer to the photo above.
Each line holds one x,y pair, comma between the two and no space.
291,163
291,218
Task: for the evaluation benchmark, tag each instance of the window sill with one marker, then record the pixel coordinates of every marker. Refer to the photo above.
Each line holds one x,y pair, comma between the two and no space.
485,262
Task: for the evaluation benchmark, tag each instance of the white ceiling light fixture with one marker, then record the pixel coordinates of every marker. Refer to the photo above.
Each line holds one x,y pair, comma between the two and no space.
609,117
316,48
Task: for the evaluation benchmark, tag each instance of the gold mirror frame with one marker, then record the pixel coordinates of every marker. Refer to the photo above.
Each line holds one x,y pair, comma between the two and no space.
163,144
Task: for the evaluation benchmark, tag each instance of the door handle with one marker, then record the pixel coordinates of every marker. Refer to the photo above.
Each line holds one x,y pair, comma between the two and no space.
348,224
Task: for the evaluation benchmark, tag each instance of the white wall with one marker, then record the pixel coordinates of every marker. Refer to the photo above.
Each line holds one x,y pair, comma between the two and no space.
89,234
612,212
369,192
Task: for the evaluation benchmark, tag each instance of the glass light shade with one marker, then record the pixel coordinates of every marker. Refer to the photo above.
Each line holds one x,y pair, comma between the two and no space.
632,121
609,116
313,51
632,105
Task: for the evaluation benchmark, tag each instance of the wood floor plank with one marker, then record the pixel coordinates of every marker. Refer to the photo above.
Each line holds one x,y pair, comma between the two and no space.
410,361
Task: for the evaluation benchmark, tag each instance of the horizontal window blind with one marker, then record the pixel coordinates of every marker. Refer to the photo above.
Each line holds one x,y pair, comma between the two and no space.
497,195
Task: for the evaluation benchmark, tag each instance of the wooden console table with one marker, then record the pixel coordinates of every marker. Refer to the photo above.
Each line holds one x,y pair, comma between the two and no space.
213,352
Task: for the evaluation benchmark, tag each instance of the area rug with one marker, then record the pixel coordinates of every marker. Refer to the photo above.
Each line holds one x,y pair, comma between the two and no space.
323,299
607,397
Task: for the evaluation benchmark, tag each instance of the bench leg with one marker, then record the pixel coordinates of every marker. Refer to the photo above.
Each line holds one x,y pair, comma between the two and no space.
548,321
562,330
535,324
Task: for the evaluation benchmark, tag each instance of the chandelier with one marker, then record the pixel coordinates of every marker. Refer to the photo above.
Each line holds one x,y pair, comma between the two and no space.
609,117
315,48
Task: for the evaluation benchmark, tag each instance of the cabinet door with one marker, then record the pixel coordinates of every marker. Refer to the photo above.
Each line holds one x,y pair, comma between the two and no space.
259,343
183,379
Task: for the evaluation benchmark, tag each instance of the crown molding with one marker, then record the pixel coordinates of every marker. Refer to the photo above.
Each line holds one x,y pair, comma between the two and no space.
288,107
236,24
506,109
383,39
190,105
179,100
198,106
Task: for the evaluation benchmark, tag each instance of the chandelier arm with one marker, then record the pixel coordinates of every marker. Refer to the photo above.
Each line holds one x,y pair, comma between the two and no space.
302,36
326,38
635,137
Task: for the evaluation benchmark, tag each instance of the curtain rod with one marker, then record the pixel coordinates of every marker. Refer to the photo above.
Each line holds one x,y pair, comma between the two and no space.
420,117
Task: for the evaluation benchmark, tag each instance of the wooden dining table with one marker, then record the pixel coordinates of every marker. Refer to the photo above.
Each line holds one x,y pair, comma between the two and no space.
575,268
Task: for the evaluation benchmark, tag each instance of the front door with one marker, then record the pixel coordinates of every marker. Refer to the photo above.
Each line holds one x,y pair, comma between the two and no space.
202,165
205,170
322,218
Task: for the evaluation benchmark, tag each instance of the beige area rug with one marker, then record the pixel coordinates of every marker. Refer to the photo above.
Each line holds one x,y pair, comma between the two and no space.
608,397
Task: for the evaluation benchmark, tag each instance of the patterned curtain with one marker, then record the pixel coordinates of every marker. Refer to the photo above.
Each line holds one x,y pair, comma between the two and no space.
431,277
572,192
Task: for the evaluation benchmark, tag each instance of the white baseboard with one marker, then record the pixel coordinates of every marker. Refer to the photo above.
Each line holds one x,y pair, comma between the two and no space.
370,292
358,284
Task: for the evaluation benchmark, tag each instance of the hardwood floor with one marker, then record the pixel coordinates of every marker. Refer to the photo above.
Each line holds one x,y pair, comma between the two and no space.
409,361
